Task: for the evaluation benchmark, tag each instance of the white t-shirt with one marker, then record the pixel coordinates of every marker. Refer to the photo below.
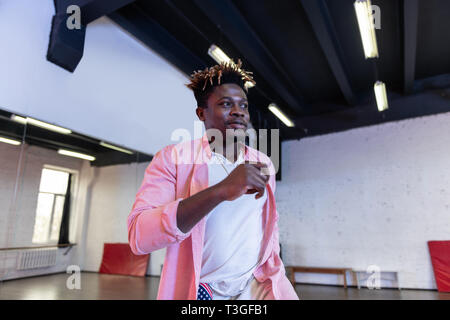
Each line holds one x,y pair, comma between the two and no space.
233,235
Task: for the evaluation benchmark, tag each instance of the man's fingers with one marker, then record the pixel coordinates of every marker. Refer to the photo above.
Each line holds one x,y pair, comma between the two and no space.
259,173
258,181
259,194
262,168
265,177
258,186
259,165
255,164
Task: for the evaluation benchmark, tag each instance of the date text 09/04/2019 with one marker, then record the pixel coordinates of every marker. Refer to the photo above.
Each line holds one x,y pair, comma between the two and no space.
229,309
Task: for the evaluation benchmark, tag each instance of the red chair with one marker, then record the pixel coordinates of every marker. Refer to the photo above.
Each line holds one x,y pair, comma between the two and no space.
440,259
118,259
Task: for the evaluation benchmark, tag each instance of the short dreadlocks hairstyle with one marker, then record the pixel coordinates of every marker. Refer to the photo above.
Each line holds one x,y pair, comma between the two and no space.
203,82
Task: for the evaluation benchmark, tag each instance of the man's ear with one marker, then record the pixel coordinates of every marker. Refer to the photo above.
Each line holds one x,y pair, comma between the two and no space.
200,113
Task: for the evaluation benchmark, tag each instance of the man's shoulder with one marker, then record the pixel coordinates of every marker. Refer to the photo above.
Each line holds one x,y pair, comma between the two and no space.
167,150
176,150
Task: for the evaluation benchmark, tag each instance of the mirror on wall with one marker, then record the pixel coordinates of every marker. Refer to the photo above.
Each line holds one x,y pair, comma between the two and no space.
54,179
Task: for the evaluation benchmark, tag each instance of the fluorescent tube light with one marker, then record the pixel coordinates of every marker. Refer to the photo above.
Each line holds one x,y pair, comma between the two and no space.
76,154
280,115
41,124
48,126
217,54
19,119
107,145
380,95
363,9
221,57
10,141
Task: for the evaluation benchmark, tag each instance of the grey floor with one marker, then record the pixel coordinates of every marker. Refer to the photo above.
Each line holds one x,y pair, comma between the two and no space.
110,287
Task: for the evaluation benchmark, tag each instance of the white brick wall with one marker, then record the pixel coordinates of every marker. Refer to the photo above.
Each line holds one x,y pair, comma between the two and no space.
373,195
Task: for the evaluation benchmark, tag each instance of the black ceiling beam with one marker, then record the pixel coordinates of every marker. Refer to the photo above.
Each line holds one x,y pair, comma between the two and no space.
107,158
90,10
236,28
441,81
94,9
402,107
410,18
40,137
66,46
61,140
114,158
325,31
133,19
11,129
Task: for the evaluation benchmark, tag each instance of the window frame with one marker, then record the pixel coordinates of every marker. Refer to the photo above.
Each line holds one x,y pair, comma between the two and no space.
73,191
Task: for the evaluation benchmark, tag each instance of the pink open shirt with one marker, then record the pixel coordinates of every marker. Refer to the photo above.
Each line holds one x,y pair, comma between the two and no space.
178,172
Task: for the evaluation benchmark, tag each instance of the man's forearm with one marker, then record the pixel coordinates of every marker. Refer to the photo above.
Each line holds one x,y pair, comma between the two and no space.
191,210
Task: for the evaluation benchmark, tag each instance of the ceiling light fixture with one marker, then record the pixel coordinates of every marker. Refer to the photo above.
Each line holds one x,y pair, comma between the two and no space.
19,119
10,141
218,55
41,124
76,154
280,115
381,96
107,145
366,25
221,57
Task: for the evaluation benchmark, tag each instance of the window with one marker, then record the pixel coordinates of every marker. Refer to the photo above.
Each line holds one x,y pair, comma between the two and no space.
50,205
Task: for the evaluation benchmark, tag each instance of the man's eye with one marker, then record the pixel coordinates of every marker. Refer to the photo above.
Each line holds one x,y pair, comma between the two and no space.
226,104
245,106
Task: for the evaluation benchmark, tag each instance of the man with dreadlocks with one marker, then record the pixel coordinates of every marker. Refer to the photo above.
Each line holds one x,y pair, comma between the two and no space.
215,213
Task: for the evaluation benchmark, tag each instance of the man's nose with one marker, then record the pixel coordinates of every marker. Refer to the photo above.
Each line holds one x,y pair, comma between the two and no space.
236,110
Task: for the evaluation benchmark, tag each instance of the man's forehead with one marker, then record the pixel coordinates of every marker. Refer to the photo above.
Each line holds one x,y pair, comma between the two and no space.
229,90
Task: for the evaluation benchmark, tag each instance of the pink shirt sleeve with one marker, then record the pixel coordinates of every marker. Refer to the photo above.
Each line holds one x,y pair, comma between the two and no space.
152,223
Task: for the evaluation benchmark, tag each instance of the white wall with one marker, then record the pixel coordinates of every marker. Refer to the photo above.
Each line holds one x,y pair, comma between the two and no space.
368,196
119,86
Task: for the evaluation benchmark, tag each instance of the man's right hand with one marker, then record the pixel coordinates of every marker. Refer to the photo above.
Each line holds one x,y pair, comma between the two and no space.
244,179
